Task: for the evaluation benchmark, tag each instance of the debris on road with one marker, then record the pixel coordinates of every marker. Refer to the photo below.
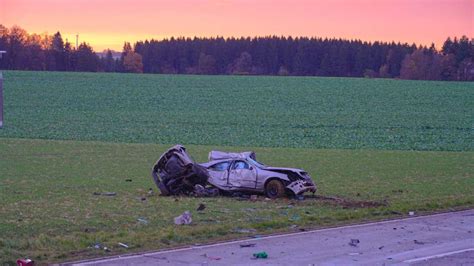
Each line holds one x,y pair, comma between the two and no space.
201,207
260,255
100,246
142,220
211,257
244,231
122,245
354,242
25,262
299,197
249,245
418,242
150,192
184,218
105,194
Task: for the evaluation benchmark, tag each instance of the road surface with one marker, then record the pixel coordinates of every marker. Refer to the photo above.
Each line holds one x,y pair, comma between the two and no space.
441,239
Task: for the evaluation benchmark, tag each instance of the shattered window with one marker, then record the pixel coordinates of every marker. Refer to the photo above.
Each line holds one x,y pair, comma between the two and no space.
241,165
220,166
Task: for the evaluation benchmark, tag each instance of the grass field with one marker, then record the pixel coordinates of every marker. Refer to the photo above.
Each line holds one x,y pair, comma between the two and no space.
404,145
49,212
241,111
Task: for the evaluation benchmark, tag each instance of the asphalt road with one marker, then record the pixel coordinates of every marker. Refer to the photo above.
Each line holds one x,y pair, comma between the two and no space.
441,239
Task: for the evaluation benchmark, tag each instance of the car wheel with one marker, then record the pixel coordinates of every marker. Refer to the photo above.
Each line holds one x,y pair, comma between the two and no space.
275,189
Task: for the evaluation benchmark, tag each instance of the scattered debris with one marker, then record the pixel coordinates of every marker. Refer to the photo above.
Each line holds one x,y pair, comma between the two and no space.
201,207
142,198
244,231
395,212
122,245
100,246
128,180
184,218
25,262
354,254
253,197
211,257
299,197
249,245
104,194
150,192
260,255
142,220
411,213
293,226
418,242
381,247
354,242
201,191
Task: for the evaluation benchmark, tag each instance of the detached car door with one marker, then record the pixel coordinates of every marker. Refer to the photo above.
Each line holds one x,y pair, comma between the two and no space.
242,175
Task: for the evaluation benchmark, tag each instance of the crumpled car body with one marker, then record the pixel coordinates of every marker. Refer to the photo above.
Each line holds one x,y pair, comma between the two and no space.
242,172
176,173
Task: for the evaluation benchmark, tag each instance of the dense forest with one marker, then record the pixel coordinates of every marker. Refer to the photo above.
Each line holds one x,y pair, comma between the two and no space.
269,55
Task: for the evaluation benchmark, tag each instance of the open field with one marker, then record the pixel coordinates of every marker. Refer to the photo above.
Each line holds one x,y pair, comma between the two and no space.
304,112
50,214
396,145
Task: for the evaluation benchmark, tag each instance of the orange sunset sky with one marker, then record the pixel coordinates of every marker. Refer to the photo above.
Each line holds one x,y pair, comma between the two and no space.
108,23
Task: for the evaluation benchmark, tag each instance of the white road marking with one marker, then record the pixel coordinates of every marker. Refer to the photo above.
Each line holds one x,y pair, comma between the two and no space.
439,255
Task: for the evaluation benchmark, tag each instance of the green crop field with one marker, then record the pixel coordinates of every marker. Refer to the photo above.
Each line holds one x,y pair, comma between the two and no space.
381,147
241,111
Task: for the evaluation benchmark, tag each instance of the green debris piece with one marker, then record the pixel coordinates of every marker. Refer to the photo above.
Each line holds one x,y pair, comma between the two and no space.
260,255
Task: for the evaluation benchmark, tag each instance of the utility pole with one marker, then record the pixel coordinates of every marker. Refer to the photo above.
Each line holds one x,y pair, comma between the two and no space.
77,41
1,93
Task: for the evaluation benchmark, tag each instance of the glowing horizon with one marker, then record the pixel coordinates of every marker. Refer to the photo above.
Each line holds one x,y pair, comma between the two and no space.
109,23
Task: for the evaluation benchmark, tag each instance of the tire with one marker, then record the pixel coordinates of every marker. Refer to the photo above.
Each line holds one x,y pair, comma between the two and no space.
275,189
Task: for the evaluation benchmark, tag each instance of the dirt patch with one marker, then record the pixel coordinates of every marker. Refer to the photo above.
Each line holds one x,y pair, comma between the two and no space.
347,203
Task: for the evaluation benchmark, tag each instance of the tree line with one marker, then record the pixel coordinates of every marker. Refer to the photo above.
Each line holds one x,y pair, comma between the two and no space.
271,55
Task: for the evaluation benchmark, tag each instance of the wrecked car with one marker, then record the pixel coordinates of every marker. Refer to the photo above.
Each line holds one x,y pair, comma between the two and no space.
242,172
228,172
